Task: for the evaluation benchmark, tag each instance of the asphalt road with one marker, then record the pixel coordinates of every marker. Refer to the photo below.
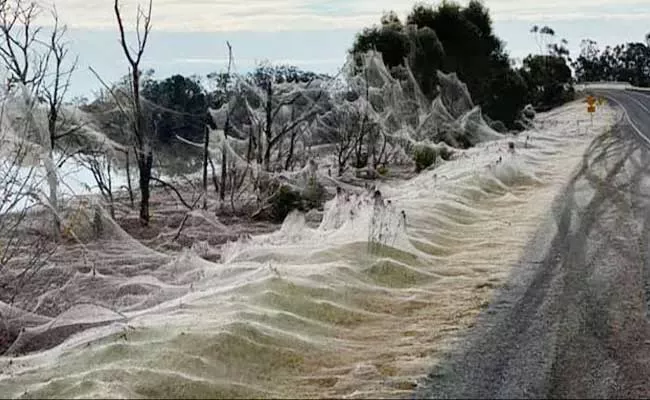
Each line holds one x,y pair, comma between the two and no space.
572,322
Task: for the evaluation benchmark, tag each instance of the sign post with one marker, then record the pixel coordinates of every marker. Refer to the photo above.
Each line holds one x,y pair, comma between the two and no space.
591,107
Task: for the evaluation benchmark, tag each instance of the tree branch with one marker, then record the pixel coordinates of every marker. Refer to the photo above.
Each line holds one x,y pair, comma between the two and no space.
170,186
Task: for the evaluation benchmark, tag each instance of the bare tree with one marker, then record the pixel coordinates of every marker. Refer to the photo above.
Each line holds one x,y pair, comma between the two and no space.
277,94
53,92
142,140
127,167
24,249
100,165
206,157
19,39
226,130
39,65
275,133
110,112
343,125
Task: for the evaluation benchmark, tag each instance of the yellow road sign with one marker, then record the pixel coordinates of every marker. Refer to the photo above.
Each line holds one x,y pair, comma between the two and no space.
591,109
591,100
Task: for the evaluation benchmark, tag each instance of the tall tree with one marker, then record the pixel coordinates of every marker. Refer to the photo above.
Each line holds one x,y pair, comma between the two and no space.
629,62
388,38
450,38
400,46
142,137
549,80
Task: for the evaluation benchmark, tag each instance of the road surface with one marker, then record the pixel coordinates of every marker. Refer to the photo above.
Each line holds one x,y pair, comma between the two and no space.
572,322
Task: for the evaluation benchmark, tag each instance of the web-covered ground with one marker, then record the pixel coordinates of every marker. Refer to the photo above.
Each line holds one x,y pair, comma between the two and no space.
360,306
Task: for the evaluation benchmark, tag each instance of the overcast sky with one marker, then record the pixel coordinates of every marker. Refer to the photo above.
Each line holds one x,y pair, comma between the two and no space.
189,35
274,15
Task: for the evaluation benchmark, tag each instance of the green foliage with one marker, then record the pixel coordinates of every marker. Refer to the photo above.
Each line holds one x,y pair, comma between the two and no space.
418,46
382,170
628,62
268,74
179,107
451,38
426,56
549,80
388,40
424,157
507,96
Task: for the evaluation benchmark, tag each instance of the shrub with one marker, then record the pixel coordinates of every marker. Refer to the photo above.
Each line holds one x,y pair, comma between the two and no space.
445,153
528,112
285,201
314,195
499,126
424,157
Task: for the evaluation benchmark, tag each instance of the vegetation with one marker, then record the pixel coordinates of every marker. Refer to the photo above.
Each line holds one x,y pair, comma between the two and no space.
450,38
459,39
179,106
244,129
629,62
424,157
272,116
414,90
286,200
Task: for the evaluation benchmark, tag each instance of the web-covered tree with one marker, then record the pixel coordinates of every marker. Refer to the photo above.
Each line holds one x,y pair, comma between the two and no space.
141,134
40,63
402,45
450,38
281,99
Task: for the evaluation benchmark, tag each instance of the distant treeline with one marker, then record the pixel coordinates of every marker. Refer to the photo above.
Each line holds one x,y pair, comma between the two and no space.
447,37
628,62
459,39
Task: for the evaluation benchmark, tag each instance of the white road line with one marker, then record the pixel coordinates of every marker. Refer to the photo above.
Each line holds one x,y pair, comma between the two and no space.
629,120
637,102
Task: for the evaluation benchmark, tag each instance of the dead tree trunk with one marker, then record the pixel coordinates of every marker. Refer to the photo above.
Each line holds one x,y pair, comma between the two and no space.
259,145
206,143
129,186
111,201
226,132
269,125
145,165
251,140
292,145
214,176
224,160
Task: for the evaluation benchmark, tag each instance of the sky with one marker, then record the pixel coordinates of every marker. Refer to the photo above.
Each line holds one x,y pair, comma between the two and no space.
189,36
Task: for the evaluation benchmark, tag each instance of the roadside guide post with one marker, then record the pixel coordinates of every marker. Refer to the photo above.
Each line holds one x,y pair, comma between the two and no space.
591,107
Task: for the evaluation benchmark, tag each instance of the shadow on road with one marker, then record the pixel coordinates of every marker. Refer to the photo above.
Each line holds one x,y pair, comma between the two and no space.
572,320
